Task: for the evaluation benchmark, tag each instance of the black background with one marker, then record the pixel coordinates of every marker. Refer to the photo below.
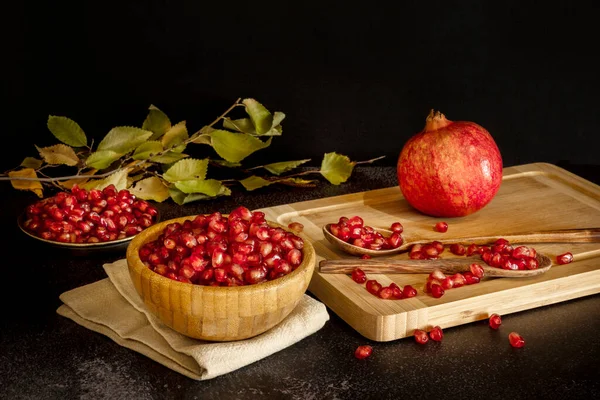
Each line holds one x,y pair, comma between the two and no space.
358,79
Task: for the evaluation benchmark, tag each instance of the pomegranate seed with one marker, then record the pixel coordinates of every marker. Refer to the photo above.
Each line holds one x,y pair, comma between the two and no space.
564,258
363,352
356,221
421,336
472,249
395,240
386,293
441,227
437,291
476,270
437,274
409,291
373,287
397,227
470,279
495,321
447,283
516,340
359,276
396,291
458,249
458,280
365,257
436,334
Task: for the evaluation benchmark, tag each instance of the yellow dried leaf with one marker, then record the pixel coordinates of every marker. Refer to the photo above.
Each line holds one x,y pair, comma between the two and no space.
59,154
34,186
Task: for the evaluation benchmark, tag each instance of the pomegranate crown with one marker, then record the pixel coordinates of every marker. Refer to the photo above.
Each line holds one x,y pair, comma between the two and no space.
436,120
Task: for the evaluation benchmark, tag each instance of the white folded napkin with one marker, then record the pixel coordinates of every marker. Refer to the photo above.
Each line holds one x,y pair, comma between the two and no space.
113,308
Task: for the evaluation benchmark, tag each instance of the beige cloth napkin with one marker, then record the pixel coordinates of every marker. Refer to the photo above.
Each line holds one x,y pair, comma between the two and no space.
113,308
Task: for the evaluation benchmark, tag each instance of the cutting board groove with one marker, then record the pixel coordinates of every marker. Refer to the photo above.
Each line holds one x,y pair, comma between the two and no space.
532,197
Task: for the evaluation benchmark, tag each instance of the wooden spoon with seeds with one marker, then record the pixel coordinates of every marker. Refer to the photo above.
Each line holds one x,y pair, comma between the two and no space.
585,235
447,266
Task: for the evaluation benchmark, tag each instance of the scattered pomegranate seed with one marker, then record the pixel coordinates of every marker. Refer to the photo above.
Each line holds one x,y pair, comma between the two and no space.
373,287
363,352
359,276
564,258
495,321
437,291
397,227
437,274
436,334
365,257
409,291
386,293
441,227
421,336
516,340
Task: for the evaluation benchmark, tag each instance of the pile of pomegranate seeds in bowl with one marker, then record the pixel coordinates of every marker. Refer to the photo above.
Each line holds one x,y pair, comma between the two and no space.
88,218
238,249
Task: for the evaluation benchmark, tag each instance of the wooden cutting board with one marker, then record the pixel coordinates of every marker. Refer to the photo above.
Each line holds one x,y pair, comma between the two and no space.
532,197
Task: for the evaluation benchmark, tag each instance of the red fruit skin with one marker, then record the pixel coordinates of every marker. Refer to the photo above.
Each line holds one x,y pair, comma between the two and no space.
450,169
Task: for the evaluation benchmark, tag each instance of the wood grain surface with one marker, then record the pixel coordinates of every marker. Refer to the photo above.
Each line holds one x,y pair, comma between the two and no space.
532,197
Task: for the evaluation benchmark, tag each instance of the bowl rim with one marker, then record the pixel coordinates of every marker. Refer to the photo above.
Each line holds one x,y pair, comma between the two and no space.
134,262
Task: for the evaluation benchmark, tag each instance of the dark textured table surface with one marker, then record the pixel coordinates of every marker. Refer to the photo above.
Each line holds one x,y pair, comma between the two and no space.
46,356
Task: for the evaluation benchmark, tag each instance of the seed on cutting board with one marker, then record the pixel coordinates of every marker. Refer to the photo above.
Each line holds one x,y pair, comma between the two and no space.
441,227
564,258
359,276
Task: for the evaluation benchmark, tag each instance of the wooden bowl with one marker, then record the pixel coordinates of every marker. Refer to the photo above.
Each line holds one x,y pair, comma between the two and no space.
217,313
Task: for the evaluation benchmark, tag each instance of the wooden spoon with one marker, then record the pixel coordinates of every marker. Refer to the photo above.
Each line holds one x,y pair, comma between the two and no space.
586,235
447,266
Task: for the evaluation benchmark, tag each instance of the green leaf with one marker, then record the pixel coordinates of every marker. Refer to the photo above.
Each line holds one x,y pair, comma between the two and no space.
189,168
147,149
169,157
67,131
336,168
261,118
209,187
234,147
151,189
31,162
181,198
59,154
254,182
123,139
281,167
102,159
243,125
175,136
156,122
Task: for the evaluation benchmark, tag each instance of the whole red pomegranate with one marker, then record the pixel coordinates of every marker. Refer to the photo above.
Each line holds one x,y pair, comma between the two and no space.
450,169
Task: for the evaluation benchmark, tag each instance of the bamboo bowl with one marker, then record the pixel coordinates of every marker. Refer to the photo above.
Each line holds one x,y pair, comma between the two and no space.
217,313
